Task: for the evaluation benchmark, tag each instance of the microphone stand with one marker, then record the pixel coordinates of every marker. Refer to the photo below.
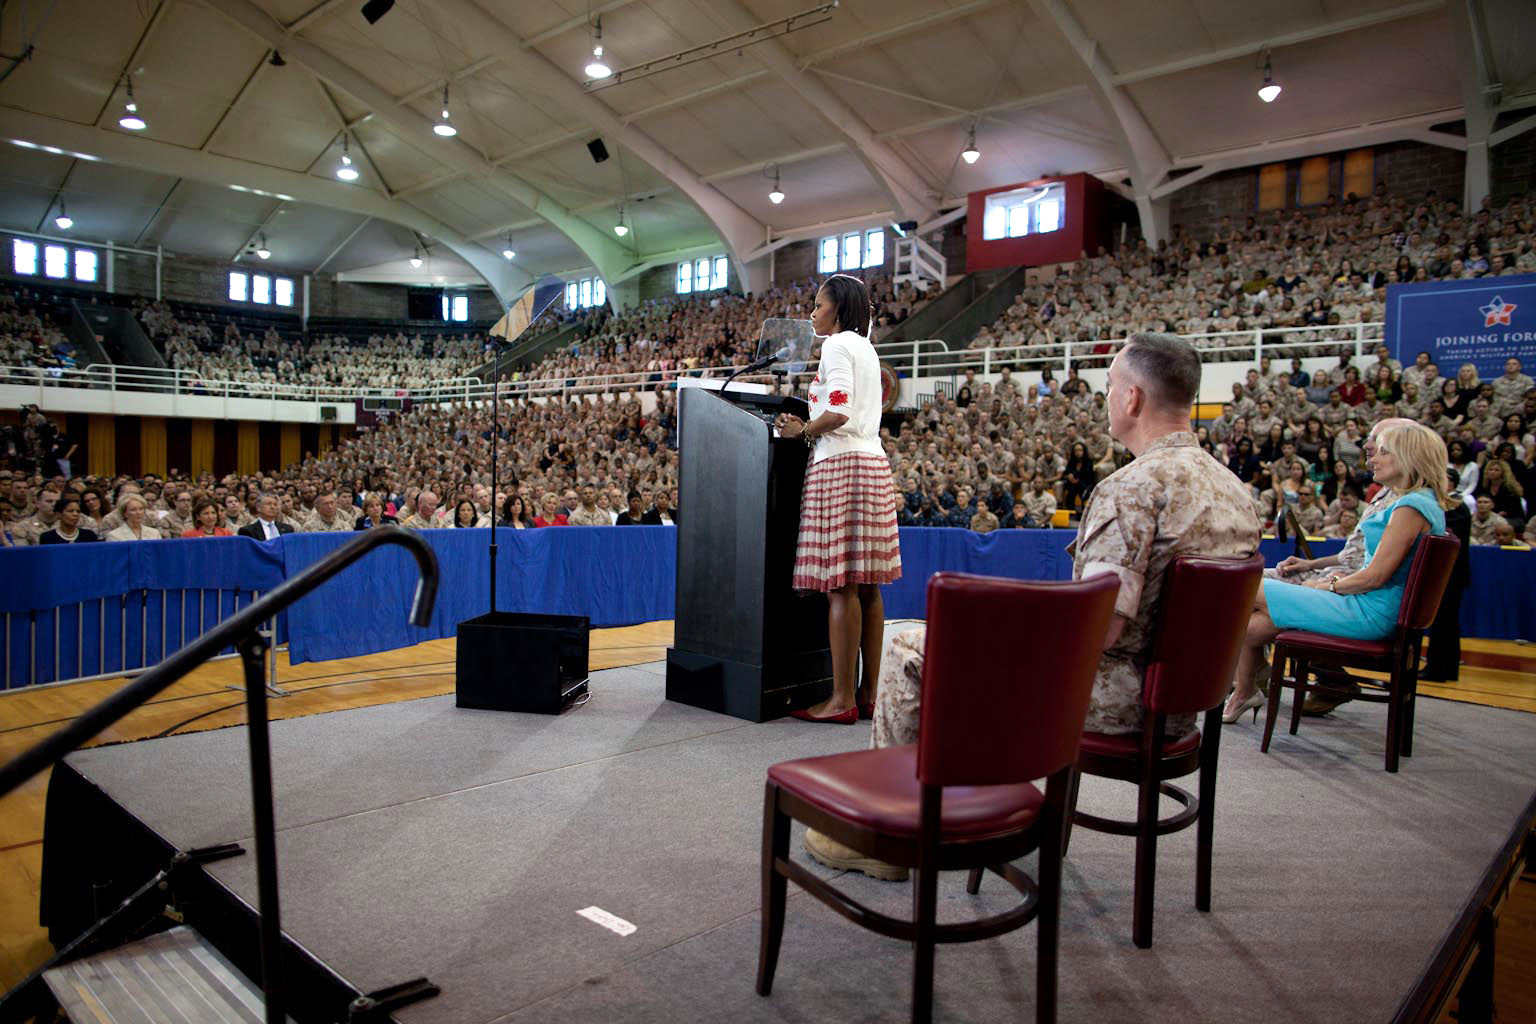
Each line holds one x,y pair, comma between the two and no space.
497,348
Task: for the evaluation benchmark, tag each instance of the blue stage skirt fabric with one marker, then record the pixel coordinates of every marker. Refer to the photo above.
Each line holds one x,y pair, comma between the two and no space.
614,577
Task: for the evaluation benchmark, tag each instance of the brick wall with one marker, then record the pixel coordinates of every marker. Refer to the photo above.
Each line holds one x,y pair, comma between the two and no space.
1407,167
330,297
795,261
1512,167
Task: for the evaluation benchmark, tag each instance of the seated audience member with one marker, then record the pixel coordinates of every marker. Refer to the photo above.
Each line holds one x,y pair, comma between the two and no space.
1309,514
1411,461
1505,537
984,521
267,524
1129,528
1018,518
373,514
1346,524
235,515
635,514
66,528
1486,522
205,521
1501,485
514,513
425,517
1039,503
662,513
549,511
132,510
587,512
327,517
179,519
465,515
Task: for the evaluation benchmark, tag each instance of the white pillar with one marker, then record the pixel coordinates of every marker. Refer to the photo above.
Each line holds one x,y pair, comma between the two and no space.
1154,214
1477,184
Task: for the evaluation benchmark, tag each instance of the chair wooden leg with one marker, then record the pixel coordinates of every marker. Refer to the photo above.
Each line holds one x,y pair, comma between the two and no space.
1146,861
1276,687
1394,720
973,880
1210,748
775,847
1303,687
925,900
1048,916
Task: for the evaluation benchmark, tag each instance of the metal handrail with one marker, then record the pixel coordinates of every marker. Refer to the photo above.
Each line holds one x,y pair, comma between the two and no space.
243,631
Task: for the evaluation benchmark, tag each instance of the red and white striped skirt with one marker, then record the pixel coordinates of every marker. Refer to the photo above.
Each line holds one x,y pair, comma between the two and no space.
847,524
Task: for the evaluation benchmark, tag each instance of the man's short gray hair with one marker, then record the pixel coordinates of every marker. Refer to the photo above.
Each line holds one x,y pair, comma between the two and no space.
1166,366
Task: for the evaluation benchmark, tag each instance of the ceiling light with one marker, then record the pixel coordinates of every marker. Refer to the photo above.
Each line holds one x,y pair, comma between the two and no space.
776,196
63,220
970,154
598,67
416,258
262,250
131,119
1269,90
508,252
346,172
443,127
621,229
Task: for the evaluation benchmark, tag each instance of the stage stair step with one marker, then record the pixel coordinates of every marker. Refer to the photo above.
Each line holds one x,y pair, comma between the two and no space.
173,977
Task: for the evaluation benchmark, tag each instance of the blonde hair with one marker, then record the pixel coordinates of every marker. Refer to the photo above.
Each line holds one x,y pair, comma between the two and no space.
1421,452
128,499
1511,481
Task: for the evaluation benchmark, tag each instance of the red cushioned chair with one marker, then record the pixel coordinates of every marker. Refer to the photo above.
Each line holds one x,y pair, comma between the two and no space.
961,797
1206,603
1397,655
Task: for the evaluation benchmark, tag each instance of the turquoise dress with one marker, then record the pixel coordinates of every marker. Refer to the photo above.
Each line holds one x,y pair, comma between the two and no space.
1368,616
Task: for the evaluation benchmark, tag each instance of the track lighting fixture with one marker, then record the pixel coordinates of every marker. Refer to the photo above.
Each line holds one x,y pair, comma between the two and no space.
443,126
970,154
131,119
598,66
346,172
63,220
1270,89
776,194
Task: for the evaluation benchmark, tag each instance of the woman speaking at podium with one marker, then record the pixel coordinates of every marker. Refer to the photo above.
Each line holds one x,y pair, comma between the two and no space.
848,543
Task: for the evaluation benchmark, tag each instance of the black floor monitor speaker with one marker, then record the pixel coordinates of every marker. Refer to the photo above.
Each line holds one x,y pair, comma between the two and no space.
598,150
510,661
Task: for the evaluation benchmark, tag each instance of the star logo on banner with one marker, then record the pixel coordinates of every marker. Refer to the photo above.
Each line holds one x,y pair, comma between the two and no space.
1497,312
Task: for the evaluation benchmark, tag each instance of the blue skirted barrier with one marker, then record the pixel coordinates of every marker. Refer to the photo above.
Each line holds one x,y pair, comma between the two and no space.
127,605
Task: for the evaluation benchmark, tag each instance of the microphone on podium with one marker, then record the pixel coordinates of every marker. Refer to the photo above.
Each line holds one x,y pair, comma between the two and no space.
757,364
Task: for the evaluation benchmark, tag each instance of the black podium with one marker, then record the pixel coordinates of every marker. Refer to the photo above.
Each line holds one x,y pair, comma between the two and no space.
746,643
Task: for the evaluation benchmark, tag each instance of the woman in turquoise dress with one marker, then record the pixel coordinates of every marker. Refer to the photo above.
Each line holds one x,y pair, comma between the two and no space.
1409,459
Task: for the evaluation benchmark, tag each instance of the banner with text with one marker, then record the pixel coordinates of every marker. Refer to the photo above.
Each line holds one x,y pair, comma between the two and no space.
1483,321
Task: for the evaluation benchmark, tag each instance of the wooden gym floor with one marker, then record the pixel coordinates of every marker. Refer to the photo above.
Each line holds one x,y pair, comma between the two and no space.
1494,673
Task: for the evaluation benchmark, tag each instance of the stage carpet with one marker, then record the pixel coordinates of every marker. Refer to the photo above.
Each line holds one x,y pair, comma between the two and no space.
419,839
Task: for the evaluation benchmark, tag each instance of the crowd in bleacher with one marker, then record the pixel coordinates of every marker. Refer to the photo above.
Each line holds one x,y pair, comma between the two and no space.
1020,450
29,337
1317,269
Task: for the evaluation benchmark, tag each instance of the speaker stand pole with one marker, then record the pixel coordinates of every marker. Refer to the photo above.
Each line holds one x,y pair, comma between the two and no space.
495,444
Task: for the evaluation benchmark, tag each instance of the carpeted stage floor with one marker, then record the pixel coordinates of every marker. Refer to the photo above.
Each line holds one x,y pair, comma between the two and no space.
419,839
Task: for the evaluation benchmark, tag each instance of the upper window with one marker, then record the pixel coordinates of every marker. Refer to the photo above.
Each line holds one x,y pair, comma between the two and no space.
702,275
55,261
263,289
239,286
455,308
282,291
853,251
24,256
589,291
85,265
826,263
1033,209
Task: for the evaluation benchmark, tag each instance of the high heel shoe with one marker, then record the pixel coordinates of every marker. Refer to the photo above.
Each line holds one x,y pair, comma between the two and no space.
1255,702
848,716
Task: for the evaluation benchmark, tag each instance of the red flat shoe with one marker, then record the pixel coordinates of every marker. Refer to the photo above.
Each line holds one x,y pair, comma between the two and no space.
849,716
867,711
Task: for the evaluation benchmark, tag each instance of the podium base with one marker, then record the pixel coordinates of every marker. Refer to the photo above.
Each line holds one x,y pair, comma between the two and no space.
742,690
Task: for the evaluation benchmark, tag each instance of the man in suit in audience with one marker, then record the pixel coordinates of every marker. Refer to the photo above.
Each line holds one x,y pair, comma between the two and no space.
267,524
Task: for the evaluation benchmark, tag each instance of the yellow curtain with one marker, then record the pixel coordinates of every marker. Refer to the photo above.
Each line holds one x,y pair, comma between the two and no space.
248,448
152,457
101,445
288,452
327,438
202,446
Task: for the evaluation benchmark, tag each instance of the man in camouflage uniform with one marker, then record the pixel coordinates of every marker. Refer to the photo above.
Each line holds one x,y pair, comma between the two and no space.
327,516
1509,390
179,519
1174,499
